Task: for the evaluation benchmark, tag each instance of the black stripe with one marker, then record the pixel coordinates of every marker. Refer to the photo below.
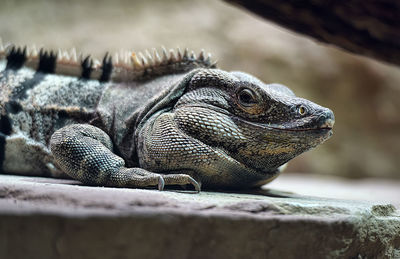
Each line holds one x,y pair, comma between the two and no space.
26,85
5,125
47,61
5,130
106,68
87,67
2,151
13,107
16,58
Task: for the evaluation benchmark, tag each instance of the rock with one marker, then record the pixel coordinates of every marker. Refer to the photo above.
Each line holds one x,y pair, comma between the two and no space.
55,218
372,30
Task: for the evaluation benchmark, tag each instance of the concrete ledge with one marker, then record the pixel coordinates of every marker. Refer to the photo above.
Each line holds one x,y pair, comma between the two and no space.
53,218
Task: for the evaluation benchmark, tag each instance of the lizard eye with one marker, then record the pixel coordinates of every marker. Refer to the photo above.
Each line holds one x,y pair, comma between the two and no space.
246,97
302,110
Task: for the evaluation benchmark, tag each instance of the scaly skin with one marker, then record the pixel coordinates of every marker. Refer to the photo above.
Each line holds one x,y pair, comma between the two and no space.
230,130
173,125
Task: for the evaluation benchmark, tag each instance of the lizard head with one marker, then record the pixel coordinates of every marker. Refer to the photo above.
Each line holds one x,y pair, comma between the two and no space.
229,129
262,126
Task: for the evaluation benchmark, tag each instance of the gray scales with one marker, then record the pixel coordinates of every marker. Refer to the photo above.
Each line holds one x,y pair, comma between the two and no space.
143,120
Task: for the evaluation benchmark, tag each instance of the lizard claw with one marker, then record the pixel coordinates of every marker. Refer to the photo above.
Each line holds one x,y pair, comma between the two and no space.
161,183
195,184
181,179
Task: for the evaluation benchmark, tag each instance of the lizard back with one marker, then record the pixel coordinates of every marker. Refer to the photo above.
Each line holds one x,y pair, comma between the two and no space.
43,91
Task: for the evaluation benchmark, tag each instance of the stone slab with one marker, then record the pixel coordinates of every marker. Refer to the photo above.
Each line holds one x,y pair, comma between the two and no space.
55,218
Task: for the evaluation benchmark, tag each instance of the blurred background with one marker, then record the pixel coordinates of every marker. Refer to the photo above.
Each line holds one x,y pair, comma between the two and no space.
364,94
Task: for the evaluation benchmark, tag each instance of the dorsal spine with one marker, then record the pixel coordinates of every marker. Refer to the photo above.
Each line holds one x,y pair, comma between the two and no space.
124,66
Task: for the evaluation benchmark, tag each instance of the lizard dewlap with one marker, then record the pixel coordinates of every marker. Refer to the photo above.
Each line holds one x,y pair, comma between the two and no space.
142,120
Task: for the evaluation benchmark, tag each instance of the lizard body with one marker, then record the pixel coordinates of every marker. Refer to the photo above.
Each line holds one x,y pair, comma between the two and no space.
145,120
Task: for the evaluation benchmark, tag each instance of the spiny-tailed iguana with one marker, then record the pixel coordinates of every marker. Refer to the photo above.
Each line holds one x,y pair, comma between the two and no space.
149,120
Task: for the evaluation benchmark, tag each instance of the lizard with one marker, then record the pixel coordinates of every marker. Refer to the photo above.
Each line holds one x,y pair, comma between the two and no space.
149,120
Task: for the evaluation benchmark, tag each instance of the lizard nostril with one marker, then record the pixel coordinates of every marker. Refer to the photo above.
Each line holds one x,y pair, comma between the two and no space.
326,119
328,124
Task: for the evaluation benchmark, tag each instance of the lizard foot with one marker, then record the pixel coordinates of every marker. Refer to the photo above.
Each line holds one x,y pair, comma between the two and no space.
138,177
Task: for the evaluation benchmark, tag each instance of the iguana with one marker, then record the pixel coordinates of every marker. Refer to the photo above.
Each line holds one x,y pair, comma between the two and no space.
142,120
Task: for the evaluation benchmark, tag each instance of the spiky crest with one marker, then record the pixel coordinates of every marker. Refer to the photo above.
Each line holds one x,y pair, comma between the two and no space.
123,67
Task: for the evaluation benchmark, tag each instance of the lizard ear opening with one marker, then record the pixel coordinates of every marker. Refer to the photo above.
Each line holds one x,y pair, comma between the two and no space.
249,100
246,97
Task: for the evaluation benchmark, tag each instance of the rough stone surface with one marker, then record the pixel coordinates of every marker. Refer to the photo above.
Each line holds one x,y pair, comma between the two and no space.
53,218
368,28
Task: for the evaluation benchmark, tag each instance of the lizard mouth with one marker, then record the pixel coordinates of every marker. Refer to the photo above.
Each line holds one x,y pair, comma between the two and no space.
326,129
322,125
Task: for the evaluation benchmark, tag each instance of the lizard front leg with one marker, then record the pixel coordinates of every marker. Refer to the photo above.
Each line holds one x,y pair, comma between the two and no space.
84,152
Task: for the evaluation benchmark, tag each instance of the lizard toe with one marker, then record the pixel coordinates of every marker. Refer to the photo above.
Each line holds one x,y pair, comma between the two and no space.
195,184
161,183
181,179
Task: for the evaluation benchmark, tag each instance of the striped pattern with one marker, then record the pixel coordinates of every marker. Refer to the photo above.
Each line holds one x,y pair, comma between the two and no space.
33,104
124,66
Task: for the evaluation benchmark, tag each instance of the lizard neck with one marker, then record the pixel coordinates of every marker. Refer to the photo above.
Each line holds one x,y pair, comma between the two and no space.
124,108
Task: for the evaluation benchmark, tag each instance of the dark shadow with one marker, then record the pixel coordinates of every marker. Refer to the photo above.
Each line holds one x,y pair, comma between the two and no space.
188,189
